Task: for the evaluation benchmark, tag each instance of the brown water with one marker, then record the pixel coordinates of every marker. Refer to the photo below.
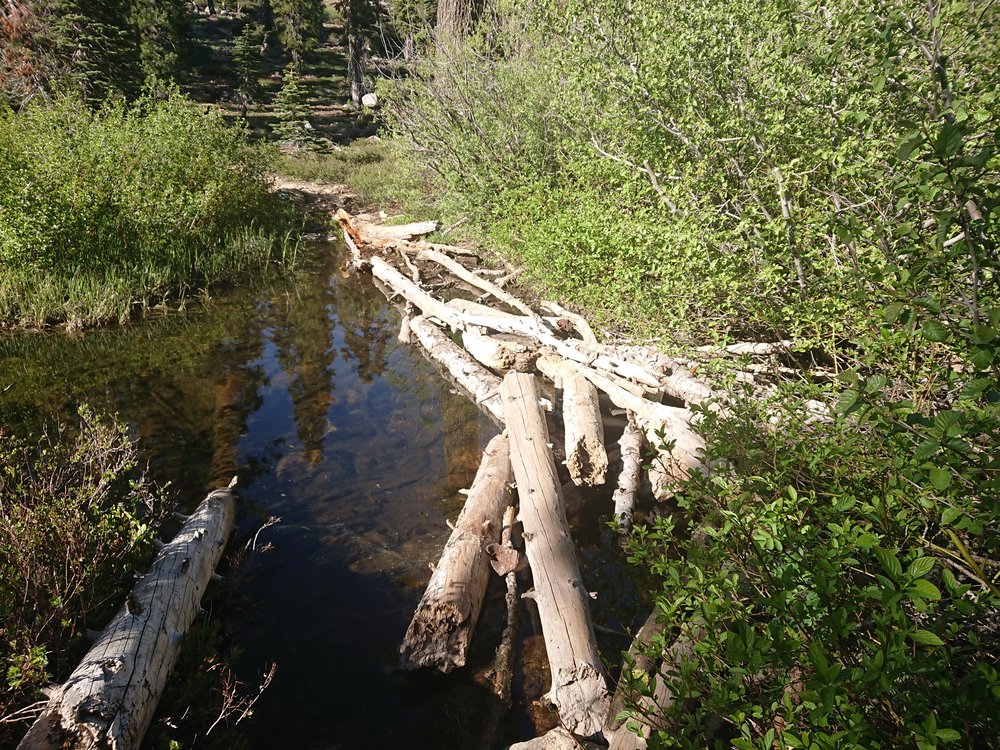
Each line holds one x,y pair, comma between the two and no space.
354,442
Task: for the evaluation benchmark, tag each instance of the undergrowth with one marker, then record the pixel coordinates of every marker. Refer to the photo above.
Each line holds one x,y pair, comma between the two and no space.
77,519
105,213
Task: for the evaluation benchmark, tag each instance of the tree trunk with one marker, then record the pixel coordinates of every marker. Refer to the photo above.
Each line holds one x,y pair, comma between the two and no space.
356,65
578,690
442,627
109,700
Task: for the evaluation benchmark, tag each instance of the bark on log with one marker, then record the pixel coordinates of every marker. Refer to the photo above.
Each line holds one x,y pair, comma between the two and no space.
578,690
628,481
441,629
476,379
586,457
579,322
109,700
753,348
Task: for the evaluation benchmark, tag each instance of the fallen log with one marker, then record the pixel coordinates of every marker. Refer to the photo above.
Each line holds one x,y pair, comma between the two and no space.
675,423
109,699
473,377
442,626
638,666
494,353
506,562
628,481
577,351
586,457
578,689
477,281
753,348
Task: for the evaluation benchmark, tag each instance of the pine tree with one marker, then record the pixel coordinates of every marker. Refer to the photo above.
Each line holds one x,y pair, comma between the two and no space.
299,24
246,55
291,105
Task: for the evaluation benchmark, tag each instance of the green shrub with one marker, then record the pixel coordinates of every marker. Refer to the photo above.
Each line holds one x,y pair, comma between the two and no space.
77,516
755,143
101,212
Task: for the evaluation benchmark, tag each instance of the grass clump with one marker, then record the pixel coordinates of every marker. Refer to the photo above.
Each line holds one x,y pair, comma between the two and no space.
77,516
103,212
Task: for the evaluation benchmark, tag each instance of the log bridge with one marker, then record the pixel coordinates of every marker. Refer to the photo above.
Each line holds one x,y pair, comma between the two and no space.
499,354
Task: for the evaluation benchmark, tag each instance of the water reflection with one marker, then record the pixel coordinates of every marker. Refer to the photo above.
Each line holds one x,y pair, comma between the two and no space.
352,439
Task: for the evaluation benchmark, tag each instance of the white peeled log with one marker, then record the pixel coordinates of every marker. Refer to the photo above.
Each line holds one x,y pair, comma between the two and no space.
479,282
753,348
579,690
467,372
109,700
443,624
628,481
579,322
688,448
586,457
577,351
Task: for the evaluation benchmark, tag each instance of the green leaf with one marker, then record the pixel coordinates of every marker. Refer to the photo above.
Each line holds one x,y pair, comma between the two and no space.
982,357
926,637
940,478
984,335
948,735
926,449
867,541
889,562
949,140
949,515
933,330
920,567
848,402
974,388
893,311
925,589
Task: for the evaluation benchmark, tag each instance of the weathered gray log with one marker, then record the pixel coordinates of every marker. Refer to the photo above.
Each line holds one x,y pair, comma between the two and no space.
497,354
555,739
753,348
628,481
586,457
579,690
442,626
476,379
506,561
109,700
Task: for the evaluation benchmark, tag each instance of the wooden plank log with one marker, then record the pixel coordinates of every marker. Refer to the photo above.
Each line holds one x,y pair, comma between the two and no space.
109,700
472,376
586,457
442,626
579,690
457,269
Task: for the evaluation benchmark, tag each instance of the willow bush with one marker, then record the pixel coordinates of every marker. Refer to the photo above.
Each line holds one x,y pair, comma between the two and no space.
102,213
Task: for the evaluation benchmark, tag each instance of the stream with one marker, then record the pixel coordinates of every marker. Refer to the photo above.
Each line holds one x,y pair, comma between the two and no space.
358,446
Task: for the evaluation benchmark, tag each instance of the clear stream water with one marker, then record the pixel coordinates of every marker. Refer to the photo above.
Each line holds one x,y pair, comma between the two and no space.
357,445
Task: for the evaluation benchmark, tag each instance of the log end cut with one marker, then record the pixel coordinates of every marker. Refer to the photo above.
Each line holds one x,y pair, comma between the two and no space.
438,636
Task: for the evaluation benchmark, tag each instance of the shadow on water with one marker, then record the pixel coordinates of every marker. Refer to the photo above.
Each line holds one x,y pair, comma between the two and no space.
350,438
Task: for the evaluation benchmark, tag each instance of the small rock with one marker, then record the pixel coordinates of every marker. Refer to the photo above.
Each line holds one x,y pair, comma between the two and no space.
369,100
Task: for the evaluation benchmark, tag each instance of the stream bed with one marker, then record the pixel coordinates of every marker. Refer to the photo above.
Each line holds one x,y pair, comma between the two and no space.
358,446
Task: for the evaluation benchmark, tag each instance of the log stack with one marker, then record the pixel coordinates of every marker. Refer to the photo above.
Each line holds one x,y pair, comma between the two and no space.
498,353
